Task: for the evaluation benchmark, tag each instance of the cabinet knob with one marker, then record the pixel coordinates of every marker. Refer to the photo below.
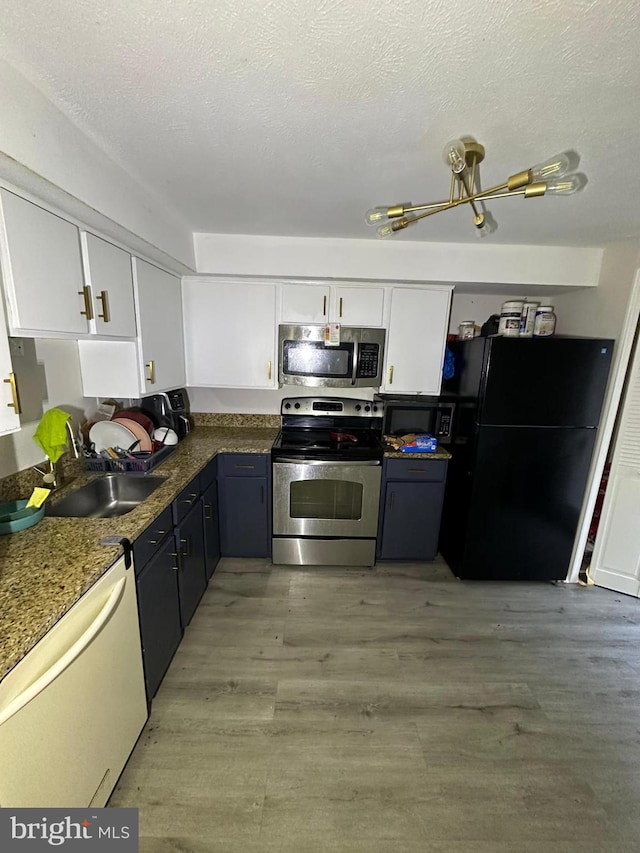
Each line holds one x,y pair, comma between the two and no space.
391,375
340,311
324,306
151,367
269,372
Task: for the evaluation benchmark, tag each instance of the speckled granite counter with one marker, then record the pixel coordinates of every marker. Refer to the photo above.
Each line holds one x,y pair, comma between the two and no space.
44,570
440,453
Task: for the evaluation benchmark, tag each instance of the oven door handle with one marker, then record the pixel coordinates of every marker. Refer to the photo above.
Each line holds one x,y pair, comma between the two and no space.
351,463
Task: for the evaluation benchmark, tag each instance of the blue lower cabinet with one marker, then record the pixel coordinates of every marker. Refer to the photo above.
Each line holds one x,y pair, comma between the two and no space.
411,509
159,612
244,492
210,518
192,575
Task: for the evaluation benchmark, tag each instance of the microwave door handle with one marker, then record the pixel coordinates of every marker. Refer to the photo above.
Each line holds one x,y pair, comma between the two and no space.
354,371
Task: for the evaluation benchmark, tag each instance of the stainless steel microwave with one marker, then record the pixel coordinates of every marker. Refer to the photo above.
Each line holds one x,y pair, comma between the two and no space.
305,359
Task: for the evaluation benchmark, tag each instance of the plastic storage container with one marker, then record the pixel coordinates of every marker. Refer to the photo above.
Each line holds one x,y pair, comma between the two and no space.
528,319
510,315
467,330
545,323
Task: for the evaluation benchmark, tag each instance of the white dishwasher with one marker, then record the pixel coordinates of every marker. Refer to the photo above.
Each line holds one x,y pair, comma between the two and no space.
72,709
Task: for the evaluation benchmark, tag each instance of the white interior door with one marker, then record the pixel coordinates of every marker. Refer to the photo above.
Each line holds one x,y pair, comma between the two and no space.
616,556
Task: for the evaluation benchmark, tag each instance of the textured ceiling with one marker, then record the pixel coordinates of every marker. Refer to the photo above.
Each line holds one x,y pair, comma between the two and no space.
293,117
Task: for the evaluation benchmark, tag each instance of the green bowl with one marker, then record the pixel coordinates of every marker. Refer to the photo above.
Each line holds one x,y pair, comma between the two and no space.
15,516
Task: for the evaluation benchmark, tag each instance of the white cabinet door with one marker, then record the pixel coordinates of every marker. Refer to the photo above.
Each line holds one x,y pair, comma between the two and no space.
304,303
231,334
358,306
416,339
42,268
159,306
9,400
108,272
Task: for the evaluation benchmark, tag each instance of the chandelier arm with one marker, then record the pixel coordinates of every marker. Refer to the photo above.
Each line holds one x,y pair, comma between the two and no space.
453,186
469,193
481,196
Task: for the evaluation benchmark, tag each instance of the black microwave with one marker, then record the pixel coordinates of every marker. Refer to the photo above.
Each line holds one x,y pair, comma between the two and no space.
407,414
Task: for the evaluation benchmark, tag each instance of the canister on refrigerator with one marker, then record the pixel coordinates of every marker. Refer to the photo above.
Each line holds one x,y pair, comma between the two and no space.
528,319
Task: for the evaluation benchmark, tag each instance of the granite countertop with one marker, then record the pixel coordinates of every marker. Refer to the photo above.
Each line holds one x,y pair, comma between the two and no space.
440,454
45,569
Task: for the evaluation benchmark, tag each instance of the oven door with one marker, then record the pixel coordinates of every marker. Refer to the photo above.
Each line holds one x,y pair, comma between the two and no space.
322,498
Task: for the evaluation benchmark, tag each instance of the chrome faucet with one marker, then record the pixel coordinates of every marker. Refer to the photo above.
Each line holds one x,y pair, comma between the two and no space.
54,477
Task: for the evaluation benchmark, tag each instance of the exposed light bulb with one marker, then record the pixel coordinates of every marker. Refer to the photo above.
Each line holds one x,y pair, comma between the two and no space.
454,156
376,215
554,167
567,186
385,230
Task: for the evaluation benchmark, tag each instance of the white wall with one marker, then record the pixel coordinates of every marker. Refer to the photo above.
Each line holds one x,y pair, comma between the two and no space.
35,135
237,254
48,374
265,402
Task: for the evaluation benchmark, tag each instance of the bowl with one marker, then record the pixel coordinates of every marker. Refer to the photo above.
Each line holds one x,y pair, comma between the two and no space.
165,435
16,516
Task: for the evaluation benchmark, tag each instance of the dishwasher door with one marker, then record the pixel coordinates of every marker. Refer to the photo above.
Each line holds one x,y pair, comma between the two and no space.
72,709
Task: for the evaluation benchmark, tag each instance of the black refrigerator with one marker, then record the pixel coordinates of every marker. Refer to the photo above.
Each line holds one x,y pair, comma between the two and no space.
527,413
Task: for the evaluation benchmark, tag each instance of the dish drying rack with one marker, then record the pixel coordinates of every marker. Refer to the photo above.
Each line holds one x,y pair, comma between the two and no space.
132,463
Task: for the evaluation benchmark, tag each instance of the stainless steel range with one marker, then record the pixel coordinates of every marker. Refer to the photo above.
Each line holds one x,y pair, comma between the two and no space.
326,482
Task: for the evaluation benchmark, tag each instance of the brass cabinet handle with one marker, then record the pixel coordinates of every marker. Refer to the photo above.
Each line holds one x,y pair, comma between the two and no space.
246,466
186,551
178,556
324,306
159,533
269,370
190,499
151,367
392,500
88,308
103,296
340,311
208,512
14,393
391,375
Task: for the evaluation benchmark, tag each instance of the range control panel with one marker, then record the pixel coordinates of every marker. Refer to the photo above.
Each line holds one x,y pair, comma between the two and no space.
335,406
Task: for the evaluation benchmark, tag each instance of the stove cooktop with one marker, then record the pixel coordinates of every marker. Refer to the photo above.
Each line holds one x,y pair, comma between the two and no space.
327,444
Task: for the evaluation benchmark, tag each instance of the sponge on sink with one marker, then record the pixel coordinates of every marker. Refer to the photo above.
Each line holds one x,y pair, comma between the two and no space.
51,433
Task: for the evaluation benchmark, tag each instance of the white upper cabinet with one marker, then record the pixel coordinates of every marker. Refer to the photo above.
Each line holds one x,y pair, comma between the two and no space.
42,268
154,361
231,333
319,303
416,339
9,399
108,273
358,306
305,303
161,350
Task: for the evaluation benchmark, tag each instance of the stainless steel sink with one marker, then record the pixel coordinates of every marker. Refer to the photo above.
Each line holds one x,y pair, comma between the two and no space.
105,497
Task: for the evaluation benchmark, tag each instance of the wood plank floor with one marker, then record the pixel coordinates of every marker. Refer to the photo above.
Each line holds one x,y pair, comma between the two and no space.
394,709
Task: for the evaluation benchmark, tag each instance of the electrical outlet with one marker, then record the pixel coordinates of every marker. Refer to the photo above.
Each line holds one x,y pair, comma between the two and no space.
16,346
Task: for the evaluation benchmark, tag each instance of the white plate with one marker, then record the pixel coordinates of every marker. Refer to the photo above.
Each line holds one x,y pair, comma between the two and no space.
110,434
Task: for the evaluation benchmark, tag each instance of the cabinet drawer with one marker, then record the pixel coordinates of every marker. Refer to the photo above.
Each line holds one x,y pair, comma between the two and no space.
186,499
427,470
150,540
243,465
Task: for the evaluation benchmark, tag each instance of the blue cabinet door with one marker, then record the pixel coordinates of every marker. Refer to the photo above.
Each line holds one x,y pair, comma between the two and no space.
159,611
211,529
244,517
192,576
411,520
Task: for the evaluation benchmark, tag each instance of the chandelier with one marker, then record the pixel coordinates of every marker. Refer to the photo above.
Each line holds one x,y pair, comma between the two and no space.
554,177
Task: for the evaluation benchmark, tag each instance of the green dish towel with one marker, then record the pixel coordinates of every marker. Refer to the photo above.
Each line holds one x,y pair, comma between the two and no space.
51,433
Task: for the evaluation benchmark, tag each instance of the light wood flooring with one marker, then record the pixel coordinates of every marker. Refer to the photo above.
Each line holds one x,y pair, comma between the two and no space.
394,709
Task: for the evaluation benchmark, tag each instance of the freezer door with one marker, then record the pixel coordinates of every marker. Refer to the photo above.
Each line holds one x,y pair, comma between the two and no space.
544,381
527,488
